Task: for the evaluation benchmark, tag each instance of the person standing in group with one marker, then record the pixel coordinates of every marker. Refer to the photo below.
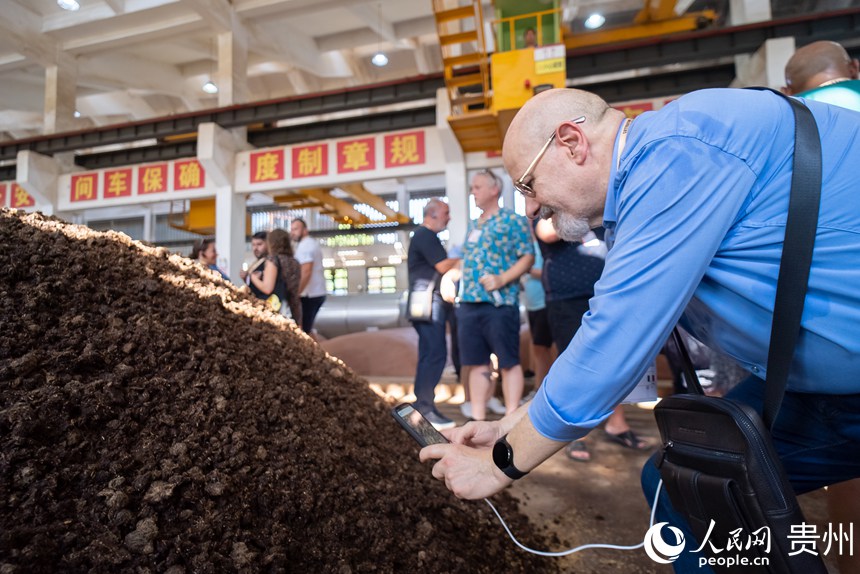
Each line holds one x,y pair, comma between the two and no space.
824,72
204,251
279,282
427,262
497,252
570,271
312,285
260,250
534,298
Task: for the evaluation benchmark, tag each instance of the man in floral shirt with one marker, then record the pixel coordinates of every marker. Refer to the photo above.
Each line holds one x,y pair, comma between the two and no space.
497,251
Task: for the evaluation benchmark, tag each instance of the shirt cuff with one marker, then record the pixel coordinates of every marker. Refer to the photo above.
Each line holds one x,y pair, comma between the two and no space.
550,423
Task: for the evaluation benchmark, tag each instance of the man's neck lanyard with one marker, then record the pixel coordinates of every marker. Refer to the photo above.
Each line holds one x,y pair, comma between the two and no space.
622,141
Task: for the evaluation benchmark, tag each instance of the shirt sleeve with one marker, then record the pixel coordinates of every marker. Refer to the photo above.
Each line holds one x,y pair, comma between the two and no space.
431,248
679,198
523,237
304,252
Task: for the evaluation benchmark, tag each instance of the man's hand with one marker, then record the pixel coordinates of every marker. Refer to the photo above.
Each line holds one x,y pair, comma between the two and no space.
243,275
477,434
467,472
492,282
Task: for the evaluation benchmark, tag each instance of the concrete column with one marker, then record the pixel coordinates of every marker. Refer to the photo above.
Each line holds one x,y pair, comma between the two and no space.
507,189
149,225
403,207
60,90
230,230
216,151
767,66
456,185
37,175
749,11
232,68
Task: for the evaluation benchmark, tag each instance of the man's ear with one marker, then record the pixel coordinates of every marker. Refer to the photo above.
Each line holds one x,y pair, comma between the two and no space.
855,69
573,139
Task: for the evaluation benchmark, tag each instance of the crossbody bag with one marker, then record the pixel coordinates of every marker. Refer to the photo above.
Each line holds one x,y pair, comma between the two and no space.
718,463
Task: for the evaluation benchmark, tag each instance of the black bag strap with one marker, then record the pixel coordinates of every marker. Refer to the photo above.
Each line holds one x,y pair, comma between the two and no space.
794,265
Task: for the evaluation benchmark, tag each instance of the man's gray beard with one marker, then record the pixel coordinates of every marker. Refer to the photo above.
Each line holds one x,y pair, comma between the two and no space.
569,227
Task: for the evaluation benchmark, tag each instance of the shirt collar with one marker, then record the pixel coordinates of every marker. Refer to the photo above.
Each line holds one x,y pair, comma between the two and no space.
610,215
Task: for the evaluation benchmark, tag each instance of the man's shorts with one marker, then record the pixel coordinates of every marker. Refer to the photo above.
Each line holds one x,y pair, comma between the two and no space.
539,328
483,328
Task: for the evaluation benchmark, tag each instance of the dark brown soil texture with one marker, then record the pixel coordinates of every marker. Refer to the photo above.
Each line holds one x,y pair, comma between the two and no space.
155,419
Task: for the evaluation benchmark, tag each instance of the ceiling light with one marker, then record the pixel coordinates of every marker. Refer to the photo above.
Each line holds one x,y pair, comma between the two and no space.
379,59
77,114
595,21
68,4
210,87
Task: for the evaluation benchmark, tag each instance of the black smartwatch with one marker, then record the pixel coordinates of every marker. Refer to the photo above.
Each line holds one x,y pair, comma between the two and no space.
503,456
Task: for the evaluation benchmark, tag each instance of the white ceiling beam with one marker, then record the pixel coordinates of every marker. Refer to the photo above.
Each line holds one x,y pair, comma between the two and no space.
375,21
133,35
118,6
12,61
126,71
24,27
90,13
218,14
261,8
365,37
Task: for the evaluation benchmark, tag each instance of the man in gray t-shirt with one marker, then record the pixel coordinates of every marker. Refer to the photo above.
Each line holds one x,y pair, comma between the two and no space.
312,283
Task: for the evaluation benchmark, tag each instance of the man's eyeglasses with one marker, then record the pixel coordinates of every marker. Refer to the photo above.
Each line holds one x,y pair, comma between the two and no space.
520,184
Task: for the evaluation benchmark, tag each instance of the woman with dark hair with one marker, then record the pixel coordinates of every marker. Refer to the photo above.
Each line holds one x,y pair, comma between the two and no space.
204,252
281,275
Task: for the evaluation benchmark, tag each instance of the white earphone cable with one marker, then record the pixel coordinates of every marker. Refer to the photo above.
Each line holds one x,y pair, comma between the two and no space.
584,546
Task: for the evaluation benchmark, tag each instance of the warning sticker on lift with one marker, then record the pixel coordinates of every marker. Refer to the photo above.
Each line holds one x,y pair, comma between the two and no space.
549,59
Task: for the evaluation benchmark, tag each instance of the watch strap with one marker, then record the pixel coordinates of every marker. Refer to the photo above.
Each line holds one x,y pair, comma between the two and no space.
508,469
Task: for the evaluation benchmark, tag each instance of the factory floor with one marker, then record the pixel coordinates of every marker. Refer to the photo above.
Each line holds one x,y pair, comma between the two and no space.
595,502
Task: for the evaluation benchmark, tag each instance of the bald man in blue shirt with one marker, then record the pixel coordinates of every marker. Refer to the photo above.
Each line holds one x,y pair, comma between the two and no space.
695,197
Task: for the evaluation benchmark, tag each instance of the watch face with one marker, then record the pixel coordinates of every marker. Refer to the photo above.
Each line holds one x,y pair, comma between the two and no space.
501,455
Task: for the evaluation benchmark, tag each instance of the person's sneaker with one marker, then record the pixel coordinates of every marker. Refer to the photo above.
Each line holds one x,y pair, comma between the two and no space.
438,421
466,409
495,405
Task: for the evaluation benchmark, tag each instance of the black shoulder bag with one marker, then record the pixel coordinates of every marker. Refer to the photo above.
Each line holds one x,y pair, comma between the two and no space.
718,461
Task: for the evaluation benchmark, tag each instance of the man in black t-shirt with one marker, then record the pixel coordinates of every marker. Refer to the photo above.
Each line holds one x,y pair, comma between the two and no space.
428,261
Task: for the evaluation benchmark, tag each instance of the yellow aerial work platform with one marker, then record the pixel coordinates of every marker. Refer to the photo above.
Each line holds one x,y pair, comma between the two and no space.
486,90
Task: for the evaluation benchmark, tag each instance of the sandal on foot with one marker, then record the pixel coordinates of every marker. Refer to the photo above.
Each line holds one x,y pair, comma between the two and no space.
627,439
577,451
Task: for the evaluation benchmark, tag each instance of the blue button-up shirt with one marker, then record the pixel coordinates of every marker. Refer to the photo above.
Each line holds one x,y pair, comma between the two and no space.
697,212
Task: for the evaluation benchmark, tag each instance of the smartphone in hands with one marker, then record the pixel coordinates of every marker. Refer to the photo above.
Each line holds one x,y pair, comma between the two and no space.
416,425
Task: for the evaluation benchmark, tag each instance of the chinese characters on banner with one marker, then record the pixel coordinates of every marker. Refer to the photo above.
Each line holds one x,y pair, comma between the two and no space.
188,175
267,166
20,198
84,187
2,195
310,161
356,155
117,183
152,179
404,149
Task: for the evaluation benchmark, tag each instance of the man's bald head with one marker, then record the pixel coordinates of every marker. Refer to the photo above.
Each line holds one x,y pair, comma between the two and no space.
542,114
817,63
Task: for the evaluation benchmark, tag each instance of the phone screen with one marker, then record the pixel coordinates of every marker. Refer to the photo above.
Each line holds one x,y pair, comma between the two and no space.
417,426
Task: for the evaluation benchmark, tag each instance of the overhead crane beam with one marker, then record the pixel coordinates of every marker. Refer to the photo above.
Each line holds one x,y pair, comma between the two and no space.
359,192
341,210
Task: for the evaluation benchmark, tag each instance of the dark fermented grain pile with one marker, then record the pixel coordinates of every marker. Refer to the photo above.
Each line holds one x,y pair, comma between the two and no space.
154,419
